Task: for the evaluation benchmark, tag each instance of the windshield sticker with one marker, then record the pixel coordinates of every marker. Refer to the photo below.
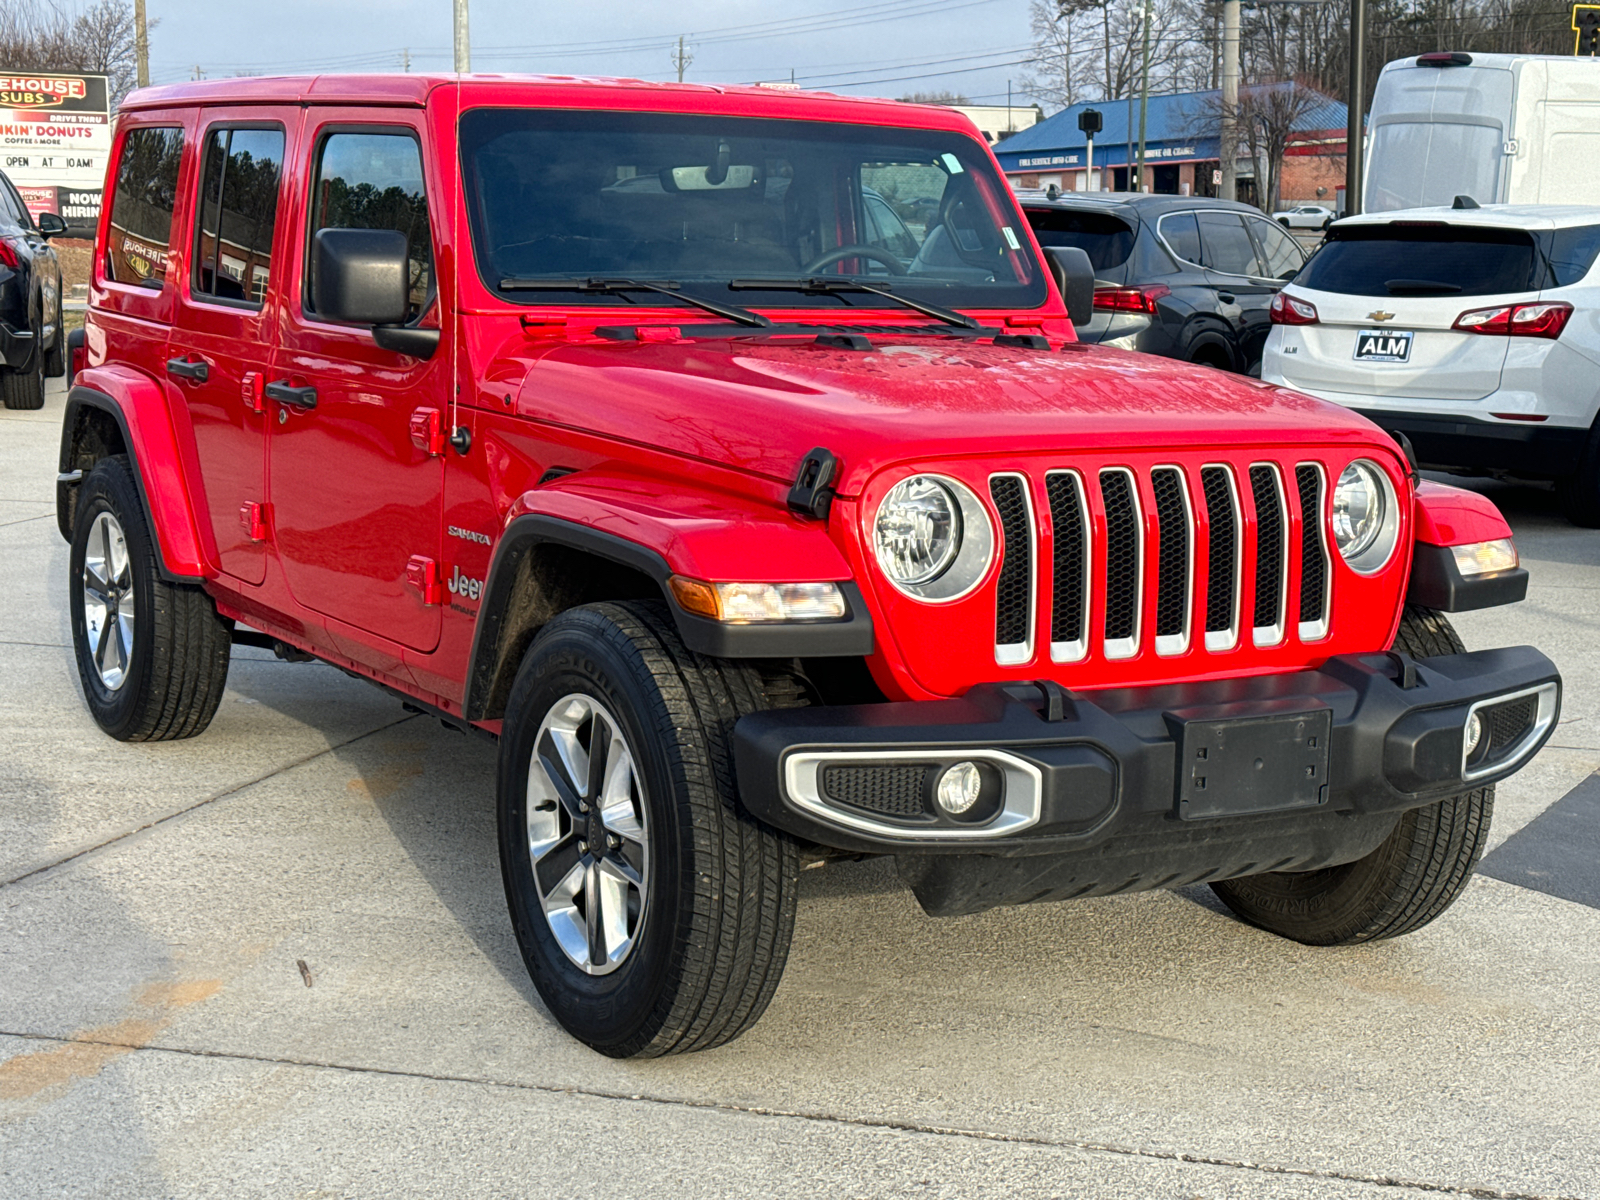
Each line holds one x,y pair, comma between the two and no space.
1011,238
951,162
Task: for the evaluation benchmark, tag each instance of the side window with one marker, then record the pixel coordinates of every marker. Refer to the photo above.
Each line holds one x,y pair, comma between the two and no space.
1226,244
1182,235
374,181
142,206
1572,253
238,211
11,213
1280,253
888,231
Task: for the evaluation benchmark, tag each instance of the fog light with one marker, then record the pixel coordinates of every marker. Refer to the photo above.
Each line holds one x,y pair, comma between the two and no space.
1474,733
959,788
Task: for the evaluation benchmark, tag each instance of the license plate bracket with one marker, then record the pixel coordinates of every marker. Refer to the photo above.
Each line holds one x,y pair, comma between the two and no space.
1384,345
1238,759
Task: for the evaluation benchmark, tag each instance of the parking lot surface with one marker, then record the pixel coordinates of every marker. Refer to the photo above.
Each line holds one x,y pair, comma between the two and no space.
274,961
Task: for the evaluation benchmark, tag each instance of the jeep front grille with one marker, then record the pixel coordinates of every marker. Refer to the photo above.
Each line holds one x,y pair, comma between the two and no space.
1127,547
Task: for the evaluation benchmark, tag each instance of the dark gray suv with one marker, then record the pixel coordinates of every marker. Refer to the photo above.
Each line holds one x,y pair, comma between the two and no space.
1179,276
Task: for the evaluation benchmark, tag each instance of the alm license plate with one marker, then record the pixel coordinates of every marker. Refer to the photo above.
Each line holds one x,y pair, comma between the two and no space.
1383,345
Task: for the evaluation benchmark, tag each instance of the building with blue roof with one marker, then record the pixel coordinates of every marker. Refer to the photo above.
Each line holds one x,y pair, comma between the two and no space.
1182,145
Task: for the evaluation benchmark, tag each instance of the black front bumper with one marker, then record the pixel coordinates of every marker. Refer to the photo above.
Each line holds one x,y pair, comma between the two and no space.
1151,786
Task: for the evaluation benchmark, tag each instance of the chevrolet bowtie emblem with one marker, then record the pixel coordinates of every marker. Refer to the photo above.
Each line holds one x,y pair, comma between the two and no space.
1380,315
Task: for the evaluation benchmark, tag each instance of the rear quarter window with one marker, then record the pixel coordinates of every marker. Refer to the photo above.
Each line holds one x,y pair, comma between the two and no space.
1420,260
1107,240
1572,253
142,206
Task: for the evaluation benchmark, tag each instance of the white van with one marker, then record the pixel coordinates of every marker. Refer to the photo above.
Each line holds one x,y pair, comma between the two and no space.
1500,128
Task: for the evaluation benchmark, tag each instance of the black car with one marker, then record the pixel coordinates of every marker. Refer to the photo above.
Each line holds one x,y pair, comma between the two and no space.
33,344
1180,276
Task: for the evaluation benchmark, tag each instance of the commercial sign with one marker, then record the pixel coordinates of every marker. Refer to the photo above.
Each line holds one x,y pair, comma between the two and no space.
55,139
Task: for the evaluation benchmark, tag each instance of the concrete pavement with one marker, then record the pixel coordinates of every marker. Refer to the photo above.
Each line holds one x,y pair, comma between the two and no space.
159,1038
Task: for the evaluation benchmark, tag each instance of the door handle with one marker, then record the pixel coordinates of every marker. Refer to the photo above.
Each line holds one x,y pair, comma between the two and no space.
185,368
285,392
1225,297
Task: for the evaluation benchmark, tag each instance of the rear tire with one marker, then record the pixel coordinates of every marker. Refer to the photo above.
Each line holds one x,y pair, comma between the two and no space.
685,949
1579,493
1416,873
152,655
24,389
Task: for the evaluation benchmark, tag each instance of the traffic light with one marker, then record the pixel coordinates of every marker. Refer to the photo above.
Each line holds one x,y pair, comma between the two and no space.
1089,120
1586,25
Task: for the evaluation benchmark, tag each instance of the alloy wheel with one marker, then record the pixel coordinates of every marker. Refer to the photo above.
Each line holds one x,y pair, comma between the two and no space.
587,834
109,611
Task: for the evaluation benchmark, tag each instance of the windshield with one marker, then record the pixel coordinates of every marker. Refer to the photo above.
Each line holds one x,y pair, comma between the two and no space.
708,201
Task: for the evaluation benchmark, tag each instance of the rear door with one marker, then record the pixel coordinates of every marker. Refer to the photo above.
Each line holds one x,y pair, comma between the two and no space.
1437,133
357,501
1407,283
226,321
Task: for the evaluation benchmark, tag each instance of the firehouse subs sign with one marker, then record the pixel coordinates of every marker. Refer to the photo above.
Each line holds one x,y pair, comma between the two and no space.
55,138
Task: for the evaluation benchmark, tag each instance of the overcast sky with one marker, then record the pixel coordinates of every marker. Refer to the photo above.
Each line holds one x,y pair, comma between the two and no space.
871,47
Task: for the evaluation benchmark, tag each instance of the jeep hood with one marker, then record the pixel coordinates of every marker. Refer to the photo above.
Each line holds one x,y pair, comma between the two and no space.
759,405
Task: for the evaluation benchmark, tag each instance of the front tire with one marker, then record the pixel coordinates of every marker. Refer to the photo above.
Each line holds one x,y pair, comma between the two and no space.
653,913
152,655
1579,493
1416,873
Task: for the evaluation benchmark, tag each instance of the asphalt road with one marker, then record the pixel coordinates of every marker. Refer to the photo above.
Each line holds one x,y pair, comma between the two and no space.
158,1037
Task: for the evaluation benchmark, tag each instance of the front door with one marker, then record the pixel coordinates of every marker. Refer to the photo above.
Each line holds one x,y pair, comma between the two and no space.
226,323
357,500
1234,270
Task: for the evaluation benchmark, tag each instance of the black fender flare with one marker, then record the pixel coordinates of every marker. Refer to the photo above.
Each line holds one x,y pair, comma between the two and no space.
849,638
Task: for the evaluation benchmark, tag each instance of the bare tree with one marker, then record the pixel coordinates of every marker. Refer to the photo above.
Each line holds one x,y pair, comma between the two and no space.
1269,114
935,98
93,38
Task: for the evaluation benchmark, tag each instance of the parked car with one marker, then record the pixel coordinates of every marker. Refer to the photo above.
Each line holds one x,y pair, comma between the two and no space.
1496,128
1473,332
1178,276
1306,216
32,342
745,554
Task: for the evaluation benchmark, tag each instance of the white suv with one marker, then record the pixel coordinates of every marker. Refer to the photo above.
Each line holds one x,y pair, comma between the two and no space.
1475,332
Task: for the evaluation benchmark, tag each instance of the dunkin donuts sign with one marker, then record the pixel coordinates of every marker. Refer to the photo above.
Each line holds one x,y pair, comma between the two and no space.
55,138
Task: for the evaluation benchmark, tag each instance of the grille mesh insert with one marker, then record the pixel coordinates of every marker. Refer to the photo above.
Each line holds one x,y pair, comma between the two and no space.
1011,599
1313,567
1509,722
1223,552
1122,555
1067,593
892,791
1269,546
1172,592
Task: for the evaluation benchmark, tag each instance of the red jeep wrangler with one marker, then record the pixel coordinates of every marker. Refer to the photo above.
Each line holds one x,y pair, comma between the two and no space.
727,455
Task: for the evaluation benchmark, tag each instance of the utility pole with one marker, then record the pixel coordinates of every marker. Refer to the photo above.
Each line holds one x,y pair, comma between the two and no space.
141,43
1228,147
463,37
405,60
1144,93
683,56
1354,129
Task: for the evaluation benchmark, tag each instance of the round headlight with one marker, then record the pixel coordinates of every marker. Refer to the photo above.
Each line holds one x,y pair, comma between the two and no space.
918,530
932,537
1365,519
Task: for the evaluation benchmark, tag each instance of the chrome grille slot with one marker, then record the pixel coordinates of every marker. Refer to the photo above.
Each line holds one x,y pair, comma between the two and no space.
1013,620
1069,576
1223,558
1271,553
1124,562
1314,565
1175,559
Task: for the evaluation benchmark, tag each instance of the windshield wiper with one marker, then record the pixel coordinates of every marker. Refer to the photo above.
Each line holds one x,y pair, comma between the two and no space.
667,287
822,286
1399,287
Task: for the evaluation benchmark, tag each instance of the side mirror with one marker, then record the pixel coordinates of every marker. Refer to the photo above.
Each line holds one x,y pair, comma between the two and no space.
1074,275
360,276
51,225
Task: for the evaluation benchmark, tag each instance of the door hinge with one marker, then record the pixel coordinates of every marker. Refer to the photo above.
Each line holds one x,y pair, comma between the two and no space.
253,388
254,517
427,430
423,575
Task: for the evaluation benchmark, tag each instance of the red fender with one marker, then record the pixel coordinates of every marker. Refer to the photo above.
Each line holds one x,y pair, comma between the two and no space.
140,407
718,536
1452,516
